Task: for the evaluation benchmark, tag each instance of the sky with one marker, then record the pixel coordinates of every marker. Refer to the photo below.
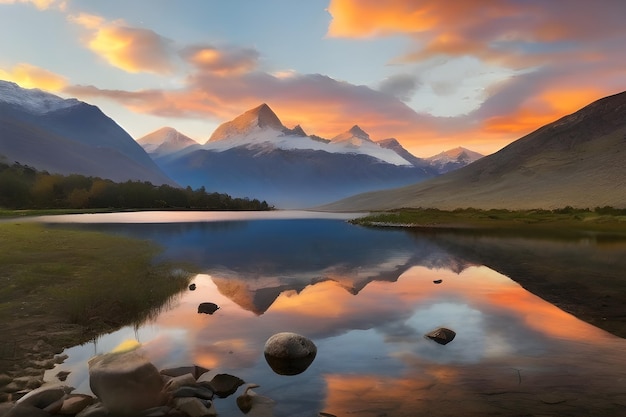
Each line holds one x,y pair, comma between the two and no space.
433,74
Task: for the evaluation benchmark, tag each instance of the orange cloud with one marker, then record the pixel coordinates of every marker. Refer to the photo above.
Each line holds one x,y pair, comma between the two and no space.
40,4
30,76
542,109
130,49
223,62
354,18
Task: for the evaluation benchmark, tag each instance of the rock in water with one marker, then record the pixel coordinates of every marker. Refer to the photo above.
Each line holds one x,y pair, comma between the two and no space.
207,308
125,382
289,353
442,335
224,385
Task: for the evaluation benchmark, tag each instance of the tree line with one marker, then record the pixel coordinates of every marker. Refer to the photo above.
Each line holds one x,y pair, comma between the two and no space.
23,187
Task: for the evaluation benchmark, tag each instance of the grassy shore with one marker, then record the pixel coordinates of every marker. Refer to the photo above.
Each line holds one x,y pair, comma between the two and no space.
60,288
566,220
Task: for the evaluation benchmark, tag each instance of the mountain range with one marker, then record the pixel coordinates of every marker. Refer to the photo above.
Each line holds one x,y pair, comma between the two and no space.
577,160
256,155
68,136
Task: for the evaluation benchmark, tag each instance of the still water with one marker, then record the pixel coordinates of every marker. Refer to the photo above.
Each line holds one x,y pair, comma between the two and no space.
366,297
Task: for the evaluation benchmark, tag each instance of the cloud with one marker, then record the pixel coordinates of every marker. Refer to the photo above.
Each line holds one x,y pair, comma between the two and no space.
40,4
224,61
130,49
402,86
31,76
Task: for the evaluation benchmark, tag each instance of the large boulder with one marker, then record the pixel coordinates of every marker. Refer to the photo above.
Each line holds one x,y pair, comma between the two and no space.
289,353
125,382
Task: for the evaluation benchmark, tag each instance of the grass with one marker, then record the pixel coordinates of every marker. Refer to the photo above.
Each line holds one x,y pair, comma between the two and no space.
599,220
91,281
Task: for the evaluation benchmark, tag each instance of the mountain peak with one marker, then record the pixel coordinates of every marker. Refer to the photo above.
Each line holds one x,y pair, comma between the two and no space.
33,100
262,117
355,136
165,140
358,132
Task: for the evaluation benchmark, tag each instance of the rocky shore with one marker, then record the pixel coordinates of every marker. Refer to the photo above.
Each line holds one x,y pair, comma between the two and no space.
127,384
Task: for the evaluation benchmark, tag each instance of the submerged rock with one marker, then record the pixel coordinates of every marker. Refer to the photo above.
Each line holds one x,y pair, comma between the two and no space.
208,308
224,385
195,407
194,370
289,353
441,335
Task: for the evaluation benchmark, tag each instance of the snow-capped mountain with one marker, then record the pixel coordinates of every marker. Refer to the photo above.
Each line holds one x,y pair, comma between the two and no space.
33,100
68,136
394,145
165,141
453,159
261,129
255,155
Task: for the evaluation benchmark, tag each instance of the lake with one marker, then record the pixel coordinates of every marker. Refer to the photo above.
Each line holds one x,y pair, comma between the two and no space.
366,298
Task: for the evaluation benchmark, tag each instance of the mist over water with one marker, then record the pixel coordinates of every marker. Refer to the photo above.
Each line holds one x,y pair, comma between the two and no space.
366,297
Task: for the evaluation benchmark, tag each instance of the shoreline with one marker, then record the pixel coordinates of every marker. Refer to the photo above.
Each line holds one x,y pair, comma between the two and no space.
601,303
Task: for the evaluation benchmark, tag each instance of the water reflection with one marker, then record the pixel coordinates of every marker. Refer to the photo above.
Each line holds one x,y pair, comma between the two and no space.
366,298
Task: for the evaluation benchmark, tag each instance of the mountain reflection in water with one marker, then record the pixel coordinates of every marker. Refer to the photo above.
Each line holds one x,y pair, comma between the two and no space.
366,298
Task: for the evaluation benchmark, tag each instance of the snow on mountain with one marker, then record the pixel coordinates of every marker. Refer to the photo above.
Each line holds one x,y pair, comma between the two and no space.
164,141
453,159
66,137
261,129
250,123
394,145
354,137
34,100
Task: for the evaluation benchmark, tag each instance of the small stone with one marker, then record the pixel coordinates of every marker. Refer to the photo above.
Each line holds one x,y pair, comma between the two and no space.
75,403
60,358
45,396
195,407
208,308
200,391
62,375
195,370
180,381
224,385
192,287
244,401
5,379
441,335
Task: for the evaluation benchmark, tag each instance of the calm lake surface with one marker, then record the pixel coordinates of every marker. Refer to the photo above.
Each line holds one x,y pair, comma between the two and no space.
366,297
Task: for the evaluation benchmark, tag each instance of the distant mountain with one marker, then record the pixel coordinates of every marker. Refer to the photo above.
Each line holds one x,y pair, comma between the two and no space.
395,146
453,159
577,160
63,136
248,124
165,141
255,155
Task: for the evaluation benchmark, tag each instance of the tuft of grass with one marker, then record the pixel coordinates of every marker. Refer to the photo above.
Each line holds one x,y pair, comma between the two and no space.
94,281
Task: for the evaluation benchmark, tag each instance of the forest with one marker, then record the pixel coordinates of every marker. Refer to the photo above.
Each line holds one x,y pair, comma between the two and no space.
23,187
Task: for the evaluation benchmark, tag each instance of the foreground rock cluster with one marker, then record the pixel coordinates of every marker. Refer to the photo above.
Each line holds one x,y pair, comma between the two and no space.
127,384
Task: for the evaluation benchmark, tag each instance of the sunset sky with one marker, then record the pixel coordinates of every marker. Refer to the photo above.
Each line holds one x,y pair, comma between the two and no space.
433,74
